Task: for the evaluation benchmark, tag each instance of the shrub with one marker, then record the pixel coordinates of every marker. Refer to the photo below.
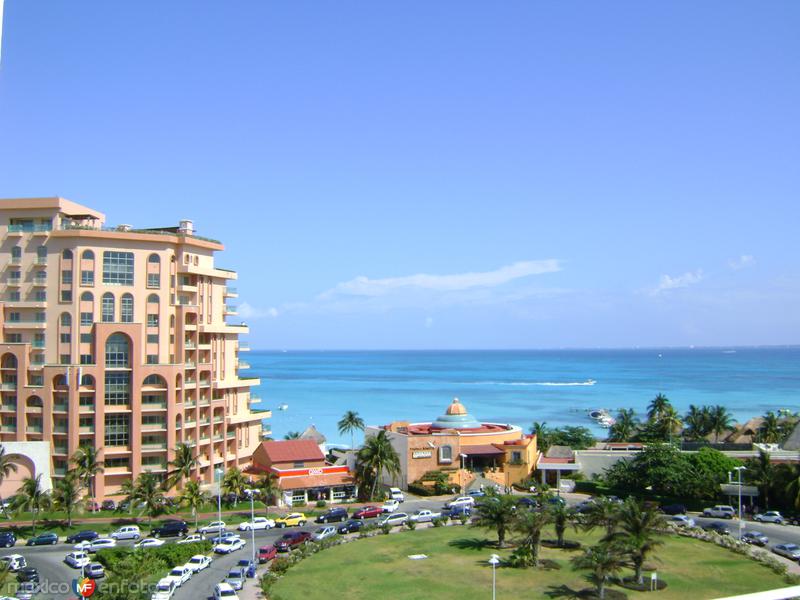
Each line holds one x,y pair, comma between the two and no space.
439,521
412,525
386,528
464,519
280,565
321,504
298,504
420,490
178,554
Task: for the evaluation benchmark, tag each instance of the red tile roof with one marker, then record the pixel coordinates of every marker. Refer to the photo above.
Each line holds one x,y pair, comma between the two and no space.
281,451
481,450
315,481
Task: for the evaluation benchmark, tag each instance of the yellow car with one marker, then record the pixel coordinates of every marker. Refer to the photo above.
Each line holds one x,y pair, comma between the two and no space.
291,520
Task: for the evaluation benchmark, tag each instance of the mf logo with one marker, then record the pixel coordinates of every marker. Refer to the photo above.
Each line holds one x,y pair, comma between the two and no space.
83,587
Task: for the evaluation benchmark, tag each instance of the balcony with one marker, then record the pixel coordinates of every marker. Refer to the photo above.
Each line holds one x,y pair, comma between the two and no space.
231,434
160,426
25,324
230,292
8,407
33,429
160,405
189,345
154,446
60,449
30,228
37,344
60,407
40,261
155,467
8,386
40,282
62,429
189,364
244,348
230,311
84,429
244,364
190,423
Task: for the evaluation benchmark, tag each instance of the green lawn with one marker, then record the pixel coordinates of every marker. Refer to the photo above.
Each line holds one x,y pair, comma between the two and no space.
456,568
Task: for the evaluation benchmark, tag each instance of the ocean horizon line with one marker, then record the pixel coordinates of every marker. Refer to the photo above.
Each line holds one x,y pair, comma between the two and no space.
542,349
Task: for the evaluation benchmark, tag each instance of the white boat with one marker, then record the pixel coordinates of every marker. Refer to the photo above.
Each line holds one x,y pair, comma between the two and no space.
283,406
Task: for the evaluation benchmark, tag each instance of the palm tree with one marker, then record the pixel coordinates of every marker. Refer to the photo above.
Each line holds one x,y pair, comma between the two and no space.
638,528
88,464
377,456
67,494
498,513
625,426
193,497
6,468
669,422
539,429
603,560
657,407
793,487
268,488
561,515
349,423
719,419
697,425
234,483
32,498
602,513
530,524
770,430
184,463
292,435
762,473
148,492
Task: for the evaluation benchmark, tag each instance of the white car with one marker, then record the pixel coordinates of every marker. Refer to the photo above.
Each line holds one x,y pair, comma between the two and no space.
223,591
390,506
198,562
77,560
720,511
771,516
229,545
394,519
424,516
396,494
190,539
213,527
129,532
682,521
460,501
149,543
323,532
180,574
257,523
165,589
95,545
15,562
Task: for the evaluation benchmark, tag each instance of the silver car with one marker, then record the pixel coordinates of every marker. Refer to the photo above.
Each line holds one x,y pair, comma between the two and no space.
790,551
236,578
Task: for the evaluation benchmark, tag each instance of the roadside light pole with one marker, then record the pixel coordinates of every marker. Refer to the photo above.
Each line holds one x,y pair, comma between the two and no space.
252,494
494,560
739,471
218,473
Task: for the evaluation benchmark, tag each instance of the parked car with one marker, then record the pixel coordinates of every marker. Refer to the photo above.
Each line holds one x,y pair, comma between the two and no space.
95,571
256,523
289,541
92,506
128,532
267,553
77,560
236,578
459,510
291,520
424,516
528,502
229,545
86,535
460,501
224,591
332,515
171,528
198,562
397,494
149,543
28,574
682,521
7,539
95,545
720,511
248,565
717,527
165,589
108,505
368,512
43,539
180,574
27,590
771,516
191,539
476,493
350,526
756,538
790,551
213,527
226,535
674,509
394,519
390,506
15,562
323,532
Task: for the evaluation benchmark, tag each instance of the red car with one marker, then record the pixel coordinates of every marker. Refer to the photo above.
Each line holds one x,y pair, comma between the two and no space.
368,512
267,553
289,541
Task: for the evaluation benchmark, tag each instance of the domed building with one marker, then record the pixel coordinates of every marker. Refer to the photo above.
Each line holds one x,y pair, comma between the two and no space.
468,451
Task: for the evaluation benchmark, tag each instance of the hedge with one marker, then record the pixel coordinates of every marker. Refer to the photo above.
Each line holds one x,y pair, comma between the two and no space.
172,555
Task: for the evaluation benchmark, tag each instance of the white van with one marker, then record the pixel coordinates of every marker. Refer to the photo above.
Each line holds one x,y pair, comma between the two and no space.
129,532
396,494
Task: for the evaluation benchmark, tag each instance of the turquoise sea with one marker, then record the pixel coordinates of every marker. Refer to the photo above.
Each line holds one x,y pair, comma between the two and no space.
556,386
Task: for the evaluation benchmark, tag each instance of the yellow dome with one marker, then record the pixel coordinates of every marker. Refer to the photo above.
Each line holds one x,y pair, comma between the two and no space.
456,408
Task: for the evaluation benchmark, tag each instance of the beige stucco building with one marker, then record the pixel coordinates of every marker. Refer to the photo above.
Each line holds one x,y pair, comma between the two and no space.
118,337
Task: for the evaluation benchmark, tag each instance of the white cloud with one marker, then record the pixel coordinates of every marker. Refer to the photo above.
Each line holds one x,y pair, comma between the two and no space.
668,282
743,262
248,311
364,286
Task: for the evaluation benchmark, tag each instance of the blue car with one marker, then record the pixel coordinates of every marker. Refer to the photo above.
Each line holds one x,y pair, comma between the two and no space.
459,510
44,539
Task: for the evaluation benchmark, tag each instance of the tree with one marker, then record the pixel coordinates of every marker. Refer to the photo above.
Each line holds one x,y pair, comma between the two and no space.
269,488
657,407
234,483
625,426
770,430
32,498
561,516
125,581
577,438
6,468
603,512
696,420
67,494
762,473
292,435
148,493
193,497
530,524
88,464
539,429
719,420
496,512
349,423
638,530
793,486
603,560
377,456
668,423
712,467
183,465
661,468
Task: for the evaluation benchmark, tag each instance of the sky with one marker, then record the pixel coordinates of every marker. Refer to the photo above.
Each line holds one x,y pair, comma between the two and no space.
442,174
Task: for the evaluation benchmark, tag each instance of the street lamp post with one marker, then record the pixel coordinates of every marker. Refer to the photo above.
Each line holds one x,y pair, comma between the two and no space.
251,494
218,473
494,560
739,471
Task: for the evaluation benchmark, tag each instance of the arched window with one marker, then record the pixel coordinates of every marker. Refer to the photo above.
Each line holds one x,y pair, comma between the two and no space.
108,307
126,308
153,271
117,351
34,402
9,361
59,381
66,320
155,380
67,254
154,258
87,255
41,252
87,380
152,299
16,253
87,297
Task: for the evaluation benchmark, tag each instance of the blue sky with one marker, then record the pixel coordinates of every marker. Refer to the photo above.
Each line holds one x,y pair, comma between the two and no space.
436,175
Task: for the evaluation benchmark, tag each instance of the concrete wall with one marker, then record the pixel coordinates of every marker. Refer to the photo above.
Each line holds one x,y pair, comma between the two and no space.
32,459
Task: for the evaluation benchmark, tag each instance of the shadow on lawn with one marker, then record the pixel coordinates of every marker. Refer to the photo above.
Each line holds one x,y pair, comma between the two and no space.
472,544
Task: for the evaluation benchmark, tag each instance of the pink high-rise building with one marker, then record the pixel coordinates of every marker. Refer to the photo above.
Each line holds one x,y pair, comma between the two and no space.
118,338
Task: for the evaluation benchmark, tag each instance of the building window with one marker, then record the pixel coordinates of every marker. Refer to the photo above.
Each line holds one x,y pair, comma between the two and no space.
87,277
86,319
67,254
516,457
153,280
87,359
16,254
66,276
152,359
66,338
152,338
445,454
66,295
41,253
117,350
14,275
126,308
86,338
108,307
118,268
14,317
40,296
41,317
118,462
117,430
13,338
118,385
66,320
154,420
65,359
13,296
152,320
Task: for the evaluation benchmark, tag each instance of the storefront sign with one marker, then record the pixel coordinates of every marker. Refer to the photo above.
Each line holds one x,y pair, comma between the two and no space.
421,454
315,471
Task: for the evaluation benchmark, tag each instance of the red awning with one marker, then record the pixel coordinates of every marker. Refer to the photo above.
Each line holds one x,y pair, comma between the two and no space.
482,450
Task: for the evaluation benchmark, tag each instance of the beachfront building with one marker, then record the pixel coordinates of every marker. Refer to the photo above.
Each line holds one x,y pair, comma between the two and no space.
303,473
119,338
468,452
